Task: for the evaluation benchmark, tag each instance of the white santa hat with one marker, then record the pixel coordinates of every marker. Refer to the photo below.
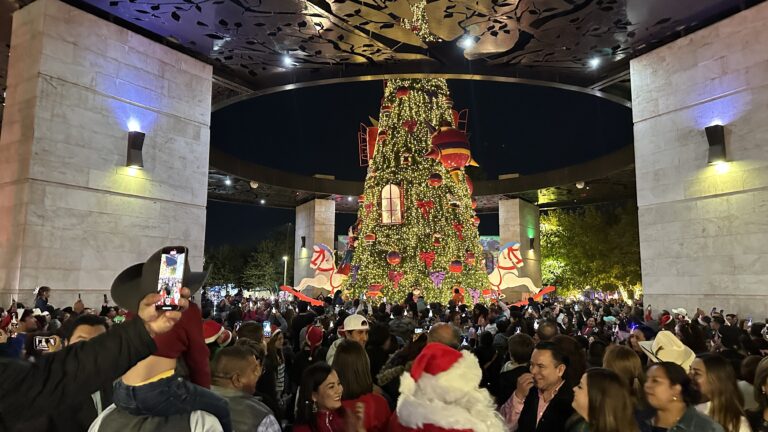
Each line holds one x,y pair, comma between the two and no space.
442,389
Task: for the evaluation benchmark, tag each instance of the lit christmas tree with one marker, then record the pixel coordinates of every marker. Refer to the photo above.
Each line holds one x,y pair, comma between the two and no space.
416,225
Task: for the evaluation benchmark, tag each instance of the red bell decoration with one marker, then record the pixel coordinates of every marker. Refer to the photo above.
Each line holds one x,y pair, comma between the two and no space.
450,147
476,220
455,266
402,92
474,202
469,258
369,238
435,179
393,257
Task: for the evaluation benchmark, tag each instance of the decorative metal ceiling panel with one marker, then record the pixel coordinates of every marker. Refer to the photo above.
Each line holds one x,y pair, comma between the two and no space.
264,37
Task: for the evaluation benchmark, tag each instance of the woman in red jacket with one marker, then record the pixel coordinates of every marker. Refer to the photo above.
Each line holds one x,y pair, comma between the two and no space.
352,364
319,406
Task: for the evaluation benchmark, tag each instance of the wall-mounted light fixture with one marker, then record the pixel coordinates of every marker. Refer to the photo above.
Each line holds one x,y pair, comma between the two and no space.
716,140
135,144
303,242
532,243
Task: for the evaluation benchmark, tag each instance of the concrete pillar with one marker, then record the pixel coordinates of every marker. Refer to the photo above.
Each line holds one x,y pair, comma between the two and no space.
316,223
703,229
519,222
72,215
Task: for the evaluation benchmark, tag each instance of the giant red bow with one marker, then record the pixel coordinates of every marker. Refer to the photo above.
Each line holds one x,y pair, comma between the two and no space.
425,207
395,277
458,228
427,257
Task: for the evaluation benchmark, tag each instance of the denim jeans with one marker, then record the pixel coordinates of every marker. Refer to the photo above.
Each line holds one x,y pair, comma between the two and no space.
171,396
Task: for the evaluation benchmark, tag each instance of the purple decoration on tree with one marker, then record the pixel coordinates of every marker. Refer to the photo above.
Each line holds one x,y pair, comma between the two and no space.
437,277
475,294
355,269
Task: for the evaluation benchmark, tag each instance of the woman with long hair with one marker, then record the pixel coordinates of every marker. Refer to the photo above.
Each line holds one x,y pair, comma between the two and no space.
353,367
626,363
603,401
758,418
670,392
715,378
275,363
319,407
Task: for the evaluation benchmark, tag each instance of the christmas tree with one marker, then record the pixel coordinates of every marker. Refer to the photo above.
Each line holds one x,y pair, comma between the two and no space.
416,226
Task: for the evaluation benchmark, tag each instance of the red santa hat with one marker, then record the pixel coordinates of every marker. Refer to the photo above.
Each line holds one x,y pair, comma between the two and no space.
443,390
211,331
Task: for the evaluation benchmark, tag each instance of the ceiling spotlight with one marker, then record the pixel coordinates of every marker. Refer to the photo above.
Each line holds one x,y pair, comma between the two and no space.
580,184
254,184
466,42
228,181
349,198
287,61
262,201
595,62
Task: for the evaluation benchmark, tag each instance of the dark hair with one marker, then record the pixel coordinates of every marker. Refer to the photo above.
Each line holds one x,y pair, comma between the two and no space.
228,359
378,334
596,353
610,405
692,336
251,330
43,289
677,376
520,347
749,368
718,319
397,310
302,306
311,379
486,339
257,348
352,364
761,377
573,352
557,354
88,320
726,401
547,330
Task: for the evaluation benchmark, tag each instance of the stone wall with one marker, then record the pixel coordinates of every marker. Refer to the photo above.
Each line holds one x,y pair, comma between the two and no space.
72,215
316,221
704,229
519,222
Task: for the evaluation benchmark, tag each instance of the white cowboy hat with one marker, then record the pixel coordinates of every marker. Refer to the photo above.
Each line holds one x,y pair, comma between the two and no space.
666,347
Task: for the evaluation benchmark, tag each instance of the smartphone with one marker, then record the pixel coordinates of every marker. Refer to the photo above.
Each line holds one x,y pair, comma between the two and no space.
237,325
43,343
267,329
418,330
171,277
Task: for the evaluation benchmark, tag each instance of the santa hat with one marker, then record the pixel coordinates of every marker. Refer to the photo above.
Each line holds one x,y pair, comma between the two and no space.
442,389
314,338
211,331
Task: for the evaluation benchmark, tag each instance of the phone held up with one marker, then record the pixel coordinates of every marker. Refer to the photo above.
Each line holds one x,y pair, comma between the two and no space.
267,329
171,277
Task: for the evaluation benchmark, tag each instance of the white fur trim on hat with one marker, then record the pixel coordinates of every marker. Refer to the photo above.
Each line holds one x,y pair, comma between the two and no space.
450,399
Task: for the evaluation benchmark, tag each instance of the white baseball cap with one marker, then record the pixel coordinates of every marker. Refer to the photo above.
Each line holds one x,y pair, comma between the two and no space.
355,322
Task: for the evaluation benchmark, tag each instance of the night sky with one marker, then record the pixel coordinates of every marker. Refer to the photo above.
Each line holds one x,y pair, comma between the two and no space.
513,129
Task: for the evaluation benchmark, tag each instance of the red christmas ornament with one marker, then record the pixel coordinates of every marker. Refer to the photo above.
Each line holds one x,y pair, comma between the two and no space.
469,258
435,179
474,203
374,289
459,228
402,92
368,207
425,207
393,257
428,258
369,238
410,125
476,220
450,147
455,267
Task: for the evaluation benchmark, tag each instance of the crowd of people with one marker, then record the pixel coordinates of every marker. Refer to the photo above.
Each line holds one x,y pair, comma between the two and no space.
269,364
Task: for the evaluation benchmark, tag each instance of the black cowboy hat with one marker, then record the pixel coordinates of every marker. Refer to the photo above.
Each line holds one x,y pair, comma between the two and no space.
139,280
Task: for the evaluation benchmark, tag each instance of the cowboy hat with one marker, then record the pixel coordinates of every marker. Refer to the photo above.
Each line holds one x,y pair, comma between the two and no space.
666,347
140,280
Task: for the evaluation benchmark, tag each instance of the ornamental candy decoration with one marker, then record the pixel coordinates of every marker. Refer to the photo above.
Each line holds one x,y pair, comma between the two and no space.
455,266
402,92
435,179
369,238
393,257
437,278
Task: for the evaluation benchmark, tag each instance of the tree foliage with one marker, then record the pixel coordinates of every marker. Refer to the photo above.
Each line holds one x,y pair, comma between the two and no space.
591,247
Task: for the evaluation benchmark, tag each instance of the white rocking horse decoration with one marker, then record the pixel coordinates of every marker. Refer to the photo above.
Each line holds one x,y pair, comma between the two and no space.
506,273
326,276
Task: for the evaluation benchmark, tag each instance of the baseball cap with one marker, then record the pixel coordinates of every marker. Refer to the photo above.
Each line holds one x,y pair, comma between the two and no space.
355,322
